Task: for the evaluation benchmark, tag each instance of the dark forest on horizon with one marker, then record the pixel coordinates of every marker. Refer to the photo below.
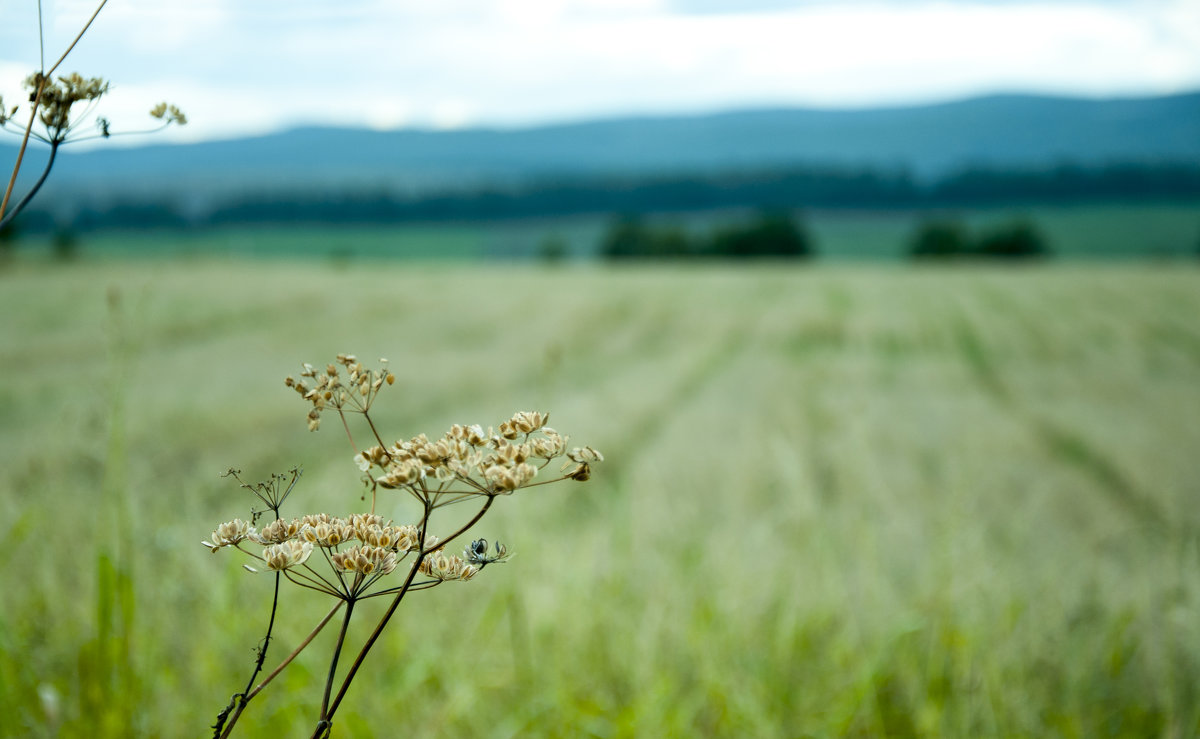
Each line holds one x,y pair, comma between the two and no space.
779,189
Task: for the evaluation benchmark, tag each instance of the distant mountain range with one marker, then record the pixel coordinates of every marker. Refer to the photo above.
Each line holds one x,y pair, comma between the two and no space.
929,141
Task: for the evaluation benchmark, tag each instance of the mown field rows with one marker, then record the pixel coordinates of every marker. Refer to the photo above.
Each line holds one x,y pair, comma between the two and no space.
836,501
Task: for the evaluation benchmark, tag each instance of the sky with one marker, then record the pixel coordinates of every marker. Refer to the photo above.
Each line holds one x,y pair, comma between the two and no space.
246,67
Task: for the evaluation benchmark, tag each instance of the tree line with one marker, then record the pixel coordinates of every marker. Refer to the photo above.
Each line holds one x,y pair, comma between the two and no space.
783,235
787,189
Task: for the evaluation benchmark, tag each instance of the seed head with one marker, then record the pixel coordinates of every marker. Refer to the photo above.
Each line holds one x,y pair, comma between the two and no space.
327,534
365,560
292,553
344,384
277,532
524,422
229,534
447,567
168,114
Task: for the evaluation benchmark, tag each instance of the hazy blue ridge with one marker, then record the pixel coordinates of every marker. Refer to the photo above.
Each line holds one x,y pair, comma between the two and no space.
928,141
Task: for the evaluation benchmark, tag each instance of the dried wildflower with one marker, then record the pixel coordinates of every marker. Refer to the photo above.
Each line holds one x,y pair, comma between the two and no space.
280,557
365,560
327,534
401,473
57,98
361,521
355,392
507,455
168,114
229,534
472,435
549,445
444,567
524,422
507,479
375,456
356,551
582,457
276,532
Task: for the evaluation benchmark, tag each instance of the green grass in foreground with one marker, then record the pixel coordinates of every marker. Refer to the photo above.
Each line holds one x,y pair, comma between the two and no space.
838,502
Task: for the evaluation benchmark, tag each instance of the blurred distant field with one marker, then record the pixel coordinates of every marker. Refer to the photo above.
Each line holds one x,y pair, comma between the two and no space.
838,500
1104,232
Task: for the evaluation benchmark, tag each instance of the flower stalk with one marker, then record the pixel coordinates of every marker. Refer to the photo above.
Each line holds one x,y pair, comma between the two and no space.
354,557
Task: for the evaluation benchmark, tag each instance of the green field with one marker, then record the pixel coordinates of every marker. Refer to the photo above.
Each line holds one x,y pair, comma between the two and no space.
1094,232
837,501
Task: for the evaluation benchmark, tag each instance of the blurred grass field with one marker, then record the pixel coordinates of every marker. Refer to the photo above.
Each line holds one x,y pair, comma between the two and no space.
837,501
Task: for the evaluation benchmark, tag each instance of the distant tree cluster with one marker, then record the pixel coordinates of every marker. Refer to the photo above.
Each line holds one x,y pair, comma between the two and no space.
787,188
770,235
950,239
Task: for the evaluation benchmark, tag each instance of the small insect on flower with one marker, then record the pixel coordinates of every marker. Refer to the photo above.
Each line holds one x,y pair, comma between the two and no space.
477,553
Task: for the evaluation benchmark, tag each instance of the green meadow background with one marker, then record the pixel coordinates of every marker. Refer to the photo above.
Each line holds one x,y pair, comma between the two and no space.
855,499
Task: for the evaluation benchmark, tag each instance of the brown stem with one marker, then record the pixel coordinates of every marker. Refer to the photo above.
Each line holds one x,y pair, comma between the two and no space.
242,704
442,544
396,604
78,36
337,652
5,220
382,446
12,181
346,425
376,433
37,101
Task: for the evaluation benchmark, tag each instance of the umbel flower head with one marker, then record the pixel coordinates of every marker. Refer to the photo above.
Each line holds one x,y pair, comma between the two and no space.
286,555
363,555
58,97
468,461
329,389
229,534
357,551
64,102
168,114
443,567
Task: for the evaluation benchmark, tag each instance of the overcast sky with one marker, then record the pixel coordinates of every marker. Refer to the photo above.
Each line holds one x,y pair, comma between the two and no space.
249,66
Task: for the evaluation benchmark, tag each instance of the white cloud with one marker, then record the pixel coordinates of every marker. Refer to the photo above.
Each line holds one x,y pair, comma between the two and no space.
255,65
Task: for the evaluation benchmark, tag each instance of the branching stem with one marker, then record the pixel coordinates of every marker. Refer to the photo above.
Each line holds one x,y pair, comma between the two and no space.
412,573
4,221
337,652
295,653
37,101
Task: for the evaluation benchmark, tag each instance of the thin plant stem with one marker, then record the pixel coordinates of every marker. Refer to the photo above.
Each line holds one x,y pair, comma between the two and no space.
382,446
78,36
337,652
37,101
396,604
262,655
41,40
287,661
12,181
240,698
442,544
4,221
375,431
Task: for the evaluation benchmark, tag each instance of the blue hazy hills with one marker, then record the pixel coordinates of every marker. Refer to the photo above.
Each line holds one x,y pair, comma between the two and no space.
928,141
